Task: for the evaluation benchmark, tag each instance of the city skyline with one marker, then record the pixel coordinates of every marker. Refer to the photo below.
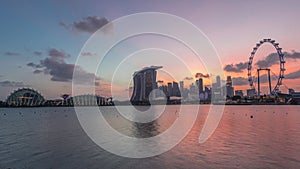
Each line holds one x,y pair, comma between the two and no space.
42,54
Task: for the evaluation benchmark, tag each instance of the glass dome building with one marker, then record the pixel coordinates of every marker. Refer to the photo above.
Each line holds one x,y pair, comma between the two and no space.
25,97
89,100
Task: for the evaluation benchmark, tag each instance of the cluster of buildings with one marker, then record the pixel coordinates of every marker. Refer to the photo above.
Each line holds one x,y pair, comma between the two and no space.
145,85
195,92
147,89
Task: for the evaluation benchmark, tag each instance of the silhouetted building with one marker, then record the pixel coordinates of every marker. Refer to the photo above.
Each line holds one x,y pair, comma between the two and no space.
25,97
170,89
181,87
200,86
144,82
192,88
229,87
239,93
229,81
218,81
89,100
216,89
175,90
251,92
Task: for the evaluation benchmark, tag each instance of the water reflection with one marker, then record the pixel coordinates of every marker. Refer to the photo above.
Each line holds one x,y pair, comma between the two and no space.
47,138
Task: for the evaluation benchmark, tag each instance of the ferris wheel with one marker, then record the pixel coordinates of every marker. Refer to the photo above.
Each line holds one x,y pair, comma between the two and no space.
275,90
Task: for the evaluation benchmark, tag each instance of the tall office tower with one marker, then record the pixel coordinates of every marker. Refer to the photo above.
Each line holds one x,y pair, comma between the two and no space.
192,88
200,86
144,81
229,81
181,84
218,81
229,87
239,93
176,91
170,89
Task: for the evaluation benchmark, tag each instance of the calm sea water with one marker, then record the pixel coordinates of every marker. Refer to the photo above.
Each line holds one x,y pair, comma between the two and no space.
53,138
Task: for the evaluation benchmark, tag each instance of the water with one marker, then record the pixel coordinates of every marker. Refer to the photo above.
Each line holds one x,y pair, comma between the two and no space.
53,138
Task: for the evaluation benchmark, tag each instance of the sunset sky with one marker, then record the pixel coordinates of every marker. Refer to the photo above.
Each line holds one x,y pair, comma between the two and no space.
41,40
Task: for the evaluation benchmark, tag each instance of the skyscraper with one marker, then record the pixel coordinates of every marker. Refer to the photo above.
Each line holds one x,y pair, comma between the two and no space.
175,91
229,81
239,93
216,89
170,89
218,81
229,87
200,86
144,82
181,84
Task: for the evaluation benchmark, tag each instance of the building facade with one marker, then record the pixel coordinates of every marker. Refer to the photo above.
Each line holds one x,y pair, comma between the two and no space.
25,97
144,82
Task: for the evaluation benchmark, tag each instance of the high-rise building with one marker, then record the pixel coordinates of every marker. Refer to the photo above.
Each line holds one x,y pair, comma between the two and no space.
200,86
216,89
170,89
251,92
175,91
181,85
239,93
192,88
229,87
144,82
229,81
218,81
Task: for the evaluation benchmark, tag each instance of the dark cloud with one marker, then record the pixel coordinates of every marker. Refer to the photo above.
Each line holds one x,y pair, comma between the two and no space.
160,81
264,78
36,53
88,54
270,60
88,24
293,55
12,54
188,78
55,66
201,75
58,54
239,81
237,67
273,59
12,84
38,71
31,64
293,75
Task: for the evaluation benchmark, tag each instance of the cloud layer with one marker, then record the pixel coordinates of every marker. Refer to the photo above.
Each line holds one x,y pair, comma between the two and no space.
293,75
12,54
237,67
239,81
270,60
188,78
88,24
12,84
201,75
55,66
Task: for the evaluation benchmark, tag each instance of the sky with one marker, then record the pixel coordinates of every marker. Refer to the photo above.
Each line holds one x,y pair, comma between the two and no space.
41,41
